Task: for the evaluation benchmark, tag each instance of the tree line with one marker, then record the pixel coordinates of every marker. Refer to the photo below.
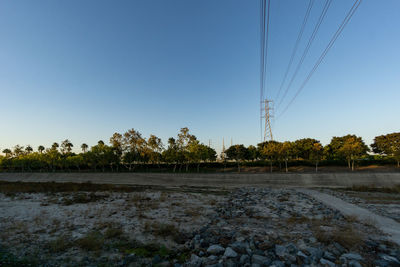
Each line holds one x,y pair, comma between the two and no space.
125,152
349,148
130,150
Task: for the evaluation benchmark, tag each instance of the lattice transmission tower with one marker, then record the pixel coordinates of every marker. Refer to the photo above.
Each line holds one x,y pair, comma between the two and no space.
267,109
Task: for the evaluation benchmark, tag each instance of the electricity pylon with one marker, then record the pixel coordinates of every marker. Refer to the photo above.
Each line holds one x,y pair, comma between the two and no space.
267,115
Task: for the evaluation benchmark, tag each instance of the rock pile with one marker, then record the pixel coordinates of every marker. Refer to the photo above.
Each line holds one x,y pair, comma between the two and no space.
273,227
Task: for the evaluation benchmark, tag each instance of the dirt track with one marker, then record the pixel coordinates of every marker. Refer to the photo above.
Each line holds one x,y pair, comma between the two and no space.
216,179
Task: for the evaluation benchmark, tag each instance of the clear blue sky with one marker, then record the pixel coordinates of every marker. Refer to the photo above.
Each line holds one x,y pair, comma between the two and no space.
83,70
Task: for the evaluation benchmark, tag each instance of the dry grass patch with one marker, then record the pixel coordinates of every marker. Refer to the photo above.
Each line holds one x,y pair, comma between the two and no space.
10,188
363,188
283,198
20,227
139,197
160,229
297,220
165,230
92,241
60,244
212,202
347,236
81,198
351,218
113,232
143,202
163,196
192,212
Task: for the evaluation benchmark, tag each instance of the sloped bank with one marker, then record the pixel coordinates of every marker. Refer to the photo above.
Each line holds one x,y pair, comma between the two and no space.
345,179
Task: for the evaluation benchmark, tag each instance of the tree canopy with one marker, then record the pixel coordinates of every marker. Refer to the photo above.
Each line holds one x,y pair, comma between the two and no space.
129,150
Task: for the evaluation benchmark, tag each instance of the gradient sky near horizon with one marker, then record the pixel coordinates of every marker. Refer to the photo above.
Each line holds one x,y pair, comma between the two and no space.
83,70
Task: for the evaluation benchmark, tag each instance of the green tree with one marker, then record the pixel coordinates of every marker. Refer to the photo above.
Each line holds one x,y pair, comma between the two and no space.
53,158
272,151
154,147
183,142
41,149
75,161
84,147
28,149
200,153
303,148
334,151
211,154
286,152
388,145
252,153
237,153
316,154
103,155
8,152
18,150
135,146
116,142
55,146
66,146
170,155
353,148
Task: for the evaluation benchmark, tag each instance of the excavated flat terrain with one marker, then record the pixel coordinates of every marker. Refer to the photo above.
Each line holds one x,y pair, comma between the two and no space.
186,227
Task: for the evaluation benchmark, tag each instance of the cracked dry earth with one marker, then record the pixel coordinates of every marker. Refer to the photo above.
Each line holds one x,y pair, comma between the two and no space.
242,227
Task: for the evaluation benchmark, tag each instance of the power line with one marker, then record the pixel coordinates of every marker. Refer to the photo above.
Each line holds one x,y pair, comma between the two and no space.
264,33
266,47
309,7
325,52
262,40
306,50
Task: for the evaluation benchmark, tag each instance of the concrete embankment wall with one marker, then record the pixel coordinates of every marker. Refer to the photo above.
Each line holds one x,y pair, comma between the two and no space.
384,179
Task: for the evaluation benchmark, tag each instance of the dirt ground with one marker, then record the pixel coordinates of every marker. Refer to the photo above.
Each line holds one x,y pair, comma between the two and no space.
64,225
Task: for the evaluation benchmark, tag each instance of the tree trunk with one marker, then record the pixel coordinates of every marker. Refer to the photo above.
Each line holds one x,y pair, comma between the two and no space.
198,167
286,165
270,165
238,166
398,164
348,162
352,165
187,167
174,167
316,166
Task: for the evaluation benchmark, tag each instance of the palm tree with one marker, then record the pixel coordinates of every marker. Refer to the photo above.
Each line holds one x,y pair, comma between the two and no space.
54,146
18,150
7,152
28,149
40,149
66,146
69,147
84,147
